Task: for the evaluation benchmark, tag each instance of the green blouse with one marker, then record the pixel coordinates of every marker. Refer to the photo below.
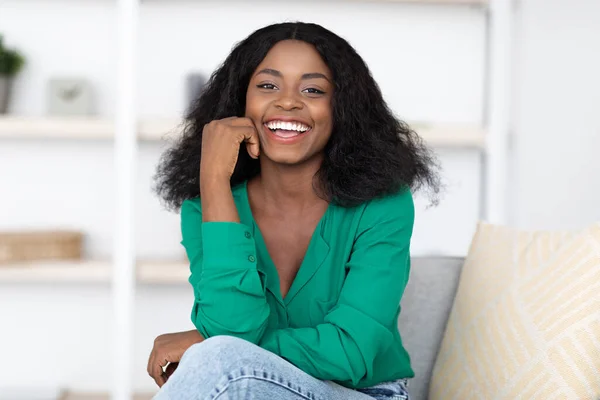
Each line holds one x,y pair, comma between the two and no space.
339,320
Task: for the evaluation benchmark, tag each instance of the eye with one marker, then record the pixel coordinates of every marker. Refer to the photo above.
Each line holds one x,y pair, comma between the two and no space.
268,86
313,91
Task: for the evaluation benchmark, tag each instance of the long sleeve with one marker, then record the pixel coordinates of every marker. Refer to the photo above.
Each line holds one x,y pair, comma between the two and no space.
361,325
229,295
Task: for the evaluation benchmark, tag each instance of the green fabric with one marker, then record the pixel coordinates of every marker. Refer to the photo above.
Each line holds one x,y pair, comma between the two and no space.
339,320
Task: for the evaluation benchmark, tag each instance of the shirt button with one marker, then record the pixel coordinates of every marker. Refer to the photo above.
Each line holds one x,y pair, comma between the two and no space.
248,235
251,258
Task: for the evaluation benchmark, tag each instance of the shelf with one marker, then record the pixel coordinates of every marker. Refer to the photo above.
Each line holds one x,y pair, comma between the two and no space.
90,272
55,128
451,135
55,272
438,135
79,128
163,273
158,129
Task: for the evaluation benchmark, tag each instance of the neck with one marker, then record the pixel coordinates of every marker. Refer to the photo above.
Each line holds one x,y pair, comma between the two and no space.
284,188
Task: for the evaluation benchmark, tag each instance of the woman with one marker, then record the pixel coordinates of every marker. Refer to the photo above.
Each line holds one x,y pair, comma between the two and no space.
294,182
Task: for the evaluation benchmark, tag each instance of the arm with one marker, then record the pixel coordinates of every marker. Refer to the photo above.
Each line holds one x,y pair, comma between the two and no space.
229,295
228,291
360,327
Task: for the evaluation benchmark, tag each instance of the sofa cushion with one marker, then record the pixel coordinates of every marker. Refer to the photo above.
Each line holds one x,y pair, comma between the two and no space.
526,319
425,308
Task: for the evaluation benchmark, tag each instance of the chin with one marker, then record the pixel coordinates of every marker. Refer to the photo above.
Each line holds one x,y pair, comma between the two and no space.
287,160
285,157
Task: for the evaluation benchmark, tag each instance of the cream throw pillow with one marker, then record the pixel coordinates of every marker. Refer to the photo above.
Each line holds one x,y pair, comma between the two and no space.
525,323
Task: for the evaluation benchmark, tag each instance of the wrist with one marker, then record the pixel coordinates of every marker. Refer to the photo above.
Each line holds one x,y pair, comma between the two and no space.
214,180
195,336
217,200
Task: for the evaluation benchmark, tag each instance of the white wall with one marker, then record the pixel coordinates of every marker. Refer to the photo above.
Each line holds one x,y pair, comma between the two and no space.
429,61
557,109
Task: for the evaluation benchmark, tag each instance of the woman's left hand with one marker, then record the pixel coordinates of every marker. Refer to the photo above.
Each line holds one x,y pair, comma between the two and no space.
169,348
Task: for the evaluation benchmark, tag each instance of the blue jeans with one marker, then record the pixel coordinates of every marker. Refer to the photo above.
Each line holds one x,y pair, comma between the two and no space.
227,368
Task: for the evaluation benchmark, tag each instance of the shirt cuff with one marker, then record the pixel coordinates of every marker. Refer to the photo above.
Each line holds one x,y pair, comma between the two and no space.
228,245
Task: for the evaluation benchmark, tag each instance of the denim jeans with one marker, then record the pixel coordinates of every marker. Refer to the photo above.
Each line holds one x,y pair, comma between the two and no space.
227,368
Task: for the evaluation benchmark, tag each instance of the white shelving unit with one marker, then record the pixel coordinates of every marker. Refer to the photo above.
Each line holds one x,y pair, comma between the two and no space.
123,272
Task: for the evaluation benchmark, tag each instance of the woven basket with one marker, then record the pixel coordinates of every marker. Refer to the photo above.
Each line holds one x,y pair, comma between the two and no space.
45,245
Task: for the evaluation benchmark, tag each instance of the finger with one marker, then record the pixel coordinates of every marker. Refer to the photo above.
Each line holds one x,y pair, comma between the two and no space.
228,119
150,362
253,150
163,366
163,363
241,121
157,375
249,135
252,143
156,370
161,380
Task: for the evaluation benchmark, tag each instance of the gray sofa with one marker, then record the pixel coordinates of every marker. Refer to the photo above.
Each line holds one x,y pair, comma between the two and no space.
426,305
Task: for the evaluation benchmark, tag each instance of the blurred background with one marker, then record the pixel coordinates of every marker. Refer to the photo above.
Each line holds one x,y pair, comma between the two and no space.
57,149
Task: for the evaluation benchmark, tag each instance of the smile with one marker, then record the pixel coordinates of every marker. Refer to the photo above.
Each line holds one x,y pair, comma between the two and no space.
287,129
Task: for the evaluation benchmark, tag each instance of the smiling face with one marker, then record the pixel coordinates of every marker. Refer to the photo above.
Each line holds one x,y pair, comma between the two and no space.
289,101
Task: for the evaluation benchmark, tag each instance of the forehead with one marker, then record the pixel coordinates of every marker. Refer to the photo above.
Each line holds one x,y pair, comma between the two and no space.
294,56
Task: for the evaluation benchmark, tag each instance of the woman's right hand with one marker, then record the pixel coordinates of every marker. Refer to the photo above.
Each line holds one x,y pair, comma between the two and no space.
221,140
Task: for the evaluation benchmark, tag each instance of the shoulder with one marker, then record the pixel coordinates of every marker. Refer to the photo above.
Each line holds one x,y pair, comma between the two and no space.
383,221
392,206
387,218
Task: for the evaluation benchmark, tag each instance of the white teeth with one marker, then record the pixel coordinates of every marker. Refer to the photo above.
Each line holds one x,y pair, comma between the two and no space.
288,126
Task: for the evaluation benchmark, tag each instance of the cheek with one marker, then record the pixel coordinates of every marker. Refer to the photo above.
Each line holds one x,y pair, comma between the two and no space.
322,113
324,118
250,104
254,106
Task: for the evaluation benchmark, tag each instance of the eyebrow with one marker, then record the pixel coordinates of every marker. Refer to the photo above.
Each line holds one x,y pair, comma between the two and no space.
310,75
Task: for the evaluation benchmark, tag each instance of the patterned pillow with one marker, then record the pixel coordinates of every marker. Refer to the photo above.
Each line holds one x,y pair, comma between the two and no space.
525,323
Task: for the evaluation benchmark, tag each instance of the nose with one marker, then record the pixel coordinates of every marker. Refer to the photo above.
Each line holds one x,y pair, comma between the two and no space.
289,101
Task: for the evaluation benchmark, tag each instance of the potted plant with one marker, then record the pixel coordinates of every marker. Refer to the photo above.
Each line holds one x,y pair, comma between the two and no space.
11,62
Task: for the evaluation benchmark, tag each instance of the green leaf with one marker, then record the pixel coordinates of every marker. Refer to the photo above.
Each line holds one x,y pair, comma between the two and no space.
11,61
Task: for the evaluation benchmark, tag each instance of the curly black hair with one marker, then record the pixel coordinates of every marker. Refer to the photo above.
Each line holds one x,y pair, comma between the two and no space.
371,153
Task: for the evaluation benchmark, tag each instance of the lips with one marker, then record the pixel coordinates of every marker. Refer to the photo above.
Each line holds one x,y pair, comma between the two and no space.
287,128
